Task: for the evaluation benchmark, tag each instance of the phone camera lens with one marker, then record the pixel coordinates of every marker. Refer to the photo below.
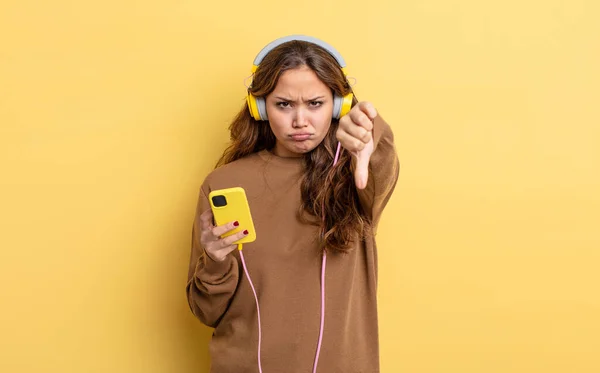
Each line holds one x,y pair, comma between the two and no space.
219,201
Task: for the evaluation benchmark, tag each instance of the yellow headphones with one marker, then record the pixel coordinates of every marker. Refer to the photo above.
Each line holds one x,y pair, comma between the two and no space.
257,106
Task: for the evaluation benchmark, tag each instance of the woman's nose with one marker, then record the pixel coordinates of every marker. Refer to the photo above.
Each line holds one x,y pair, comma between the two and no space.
300,119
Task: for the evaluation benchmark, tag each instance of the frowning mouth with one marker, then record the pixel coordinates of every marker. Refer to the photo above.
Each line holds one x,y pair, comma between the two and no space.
300,136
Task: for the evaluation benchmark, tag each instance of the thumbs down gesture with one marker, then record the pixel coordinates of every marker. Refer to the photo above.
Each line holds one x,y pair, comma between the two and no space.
355,133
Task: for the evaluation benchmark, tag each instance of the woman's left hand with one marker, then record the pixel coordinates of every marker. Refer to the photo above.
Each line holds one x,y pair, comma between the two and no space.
355,133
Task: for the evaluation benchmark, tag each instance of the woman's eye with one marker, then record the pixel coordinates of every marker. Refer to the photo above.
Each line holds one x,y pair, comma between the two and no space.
316,103
283,104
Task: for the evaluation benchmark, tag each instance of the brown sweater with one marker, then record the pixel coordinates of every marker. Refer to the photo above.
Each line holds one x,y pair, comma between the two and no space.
285,266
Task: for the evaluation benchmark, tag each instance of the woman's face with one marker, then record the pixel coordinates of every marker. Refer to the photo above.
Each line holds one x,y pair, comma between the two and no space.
299,111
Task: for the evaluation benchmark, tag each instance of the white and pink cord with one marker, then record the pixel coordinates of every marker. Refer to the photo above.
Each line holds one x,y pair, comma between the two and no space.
337,154
257,307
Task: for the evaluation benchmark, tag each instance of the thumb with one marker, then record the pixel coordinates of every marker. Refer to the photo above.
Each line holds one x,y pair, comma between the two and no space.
361,174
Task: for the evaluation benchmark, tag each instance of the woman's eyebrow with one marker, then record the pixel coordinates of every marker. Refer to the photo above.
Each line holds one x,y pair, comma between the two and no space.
293,101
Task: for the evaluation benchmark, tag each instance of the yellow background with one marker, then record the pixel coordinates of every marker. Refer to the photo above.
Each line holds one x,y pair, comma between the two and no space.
112,112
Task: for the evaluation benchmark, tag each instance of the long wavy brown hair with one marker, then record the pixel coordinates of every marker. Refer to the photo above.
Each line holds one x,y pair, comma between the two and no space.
329,195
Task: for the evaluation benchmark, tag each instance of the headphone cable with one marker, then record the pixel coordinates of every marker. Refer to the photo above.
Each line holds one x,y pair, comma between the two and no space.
323,265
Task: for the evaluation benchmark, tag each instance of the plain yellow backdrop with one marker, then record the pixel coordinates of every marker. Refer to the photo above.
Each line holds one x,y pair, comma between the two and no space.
112,112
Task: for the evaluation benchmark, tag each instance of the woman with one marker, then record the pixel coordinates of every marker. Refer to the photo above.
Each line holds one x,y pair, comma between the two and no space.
315,210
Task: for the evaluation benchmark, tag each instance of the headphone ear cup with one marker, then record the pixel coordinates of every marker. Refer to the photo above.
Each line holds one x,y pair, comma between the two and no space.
342,105
346,104
257,107
252,106
262,108
337,106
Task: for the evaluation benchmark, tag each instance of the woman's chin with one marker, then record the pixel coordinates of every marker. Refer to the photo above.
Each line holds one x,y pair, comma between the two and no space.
301,147
293,148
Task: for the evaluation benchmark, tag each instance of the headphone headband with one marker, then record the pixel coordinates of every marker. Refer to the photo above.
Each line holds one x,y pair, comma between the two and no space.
269,47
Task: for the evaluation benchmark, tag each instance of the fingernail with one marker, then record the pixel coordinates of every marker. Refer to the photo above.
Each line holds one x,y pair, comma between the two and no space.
246,232
235,223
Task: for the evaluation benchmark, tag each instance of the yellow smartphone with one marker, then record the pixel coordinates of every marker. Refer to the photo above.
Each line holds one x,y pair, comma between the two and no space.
230,205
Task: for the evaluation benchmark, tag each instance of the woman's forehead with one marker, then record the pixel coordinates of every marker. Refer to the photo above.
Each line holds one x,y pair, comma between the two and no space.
300,79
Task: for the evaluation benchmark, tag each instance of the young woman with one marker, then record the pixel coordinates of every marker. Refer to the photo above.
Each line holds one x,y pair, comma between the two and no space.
318,168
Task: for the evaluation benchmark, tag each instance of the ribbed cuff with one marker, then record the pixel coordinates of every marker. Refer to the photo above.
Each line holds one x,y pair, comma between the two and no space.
212,267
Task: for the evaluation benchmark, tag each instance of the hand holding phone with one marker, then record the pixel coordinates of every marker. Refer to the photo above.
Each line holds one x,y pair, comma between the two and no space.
232,225
216,247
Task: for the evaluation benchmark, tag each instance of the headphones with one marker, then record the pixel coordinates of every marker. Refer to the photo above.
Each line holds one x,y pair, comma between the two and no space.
257,105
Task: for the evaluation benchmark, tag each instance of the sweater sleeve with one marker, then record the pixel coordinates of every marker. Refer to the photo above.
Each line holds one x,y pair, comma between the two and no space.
384,169
210,284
